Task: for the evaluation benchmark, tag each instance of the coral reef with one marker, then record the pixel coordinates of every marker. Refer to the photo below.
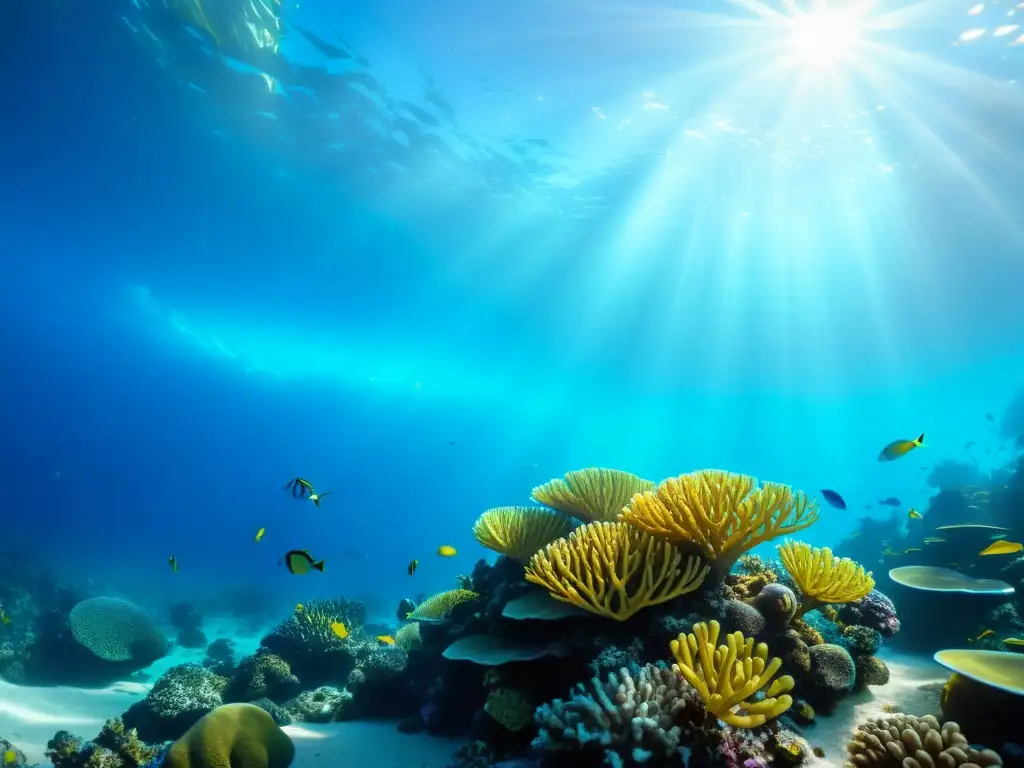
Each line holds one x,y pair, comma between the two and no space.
114,747
593,495
322,705
179,698
519,532
264,675
822,577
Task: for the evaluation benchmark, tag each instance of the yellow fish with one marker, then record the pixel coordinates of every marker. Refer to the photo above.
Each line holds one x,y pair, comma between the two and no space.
984,634
339,629
10,757
174,563
913,514
899,448
259,533
1013,641
911,549
1002,548
386,639
446,551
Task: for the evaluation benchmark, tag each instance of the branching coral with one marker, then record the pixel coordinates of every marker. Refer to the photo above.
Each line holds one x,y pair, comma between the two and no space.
629,716
436,607
594,495
310,628
519,532
723,513
902,741
822,577
614,570
728,676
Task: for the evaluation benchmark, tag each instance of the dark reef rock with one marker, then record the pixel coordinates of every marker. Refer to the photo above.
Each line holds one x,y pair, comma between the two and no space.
191,637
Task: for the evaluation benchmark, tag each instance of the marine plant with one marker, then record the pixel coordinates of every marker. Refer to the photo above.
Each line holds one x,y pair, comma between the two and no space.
592,494
614,570
822,577
723,513
519,532
729,677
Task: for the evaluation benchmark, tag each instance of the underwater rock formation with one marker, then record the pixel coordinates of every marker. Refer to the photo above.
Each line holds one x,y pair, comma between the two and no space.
178,699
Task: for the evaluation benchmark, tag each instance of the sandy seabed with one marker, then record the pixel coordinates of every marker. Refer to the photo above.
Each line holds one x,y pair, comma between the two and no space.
29,717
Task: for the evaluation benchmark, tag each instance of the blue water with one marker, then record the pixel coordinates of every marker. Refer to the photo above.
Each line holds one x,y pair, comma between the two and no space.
495,243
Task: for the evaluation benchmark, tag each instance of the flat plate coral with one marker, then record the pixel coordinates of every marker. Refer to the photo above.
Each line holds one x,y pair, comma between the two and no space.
1000,669
931,578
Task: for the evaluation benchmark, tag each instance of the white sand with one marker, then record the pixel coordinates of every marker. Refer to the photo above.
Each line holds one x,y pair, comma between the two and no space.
913,688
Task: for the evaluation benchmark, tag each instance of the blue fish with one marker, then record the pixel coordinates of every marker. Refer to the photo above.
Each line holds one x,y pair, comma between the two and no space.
833,499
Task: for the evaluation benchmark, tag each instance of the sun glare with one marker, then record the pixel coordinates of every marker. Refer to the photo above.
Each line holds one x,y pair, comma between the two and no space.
824,37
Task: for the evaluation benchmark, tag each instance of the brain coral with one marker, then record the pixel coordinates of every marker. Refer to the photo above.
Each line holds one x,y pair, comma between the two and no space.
116,630
233,736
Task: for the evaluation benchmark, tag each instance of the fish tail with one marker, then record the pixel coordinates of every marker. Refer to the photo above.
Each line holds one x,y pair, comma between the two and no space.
319,566
316,502
920,441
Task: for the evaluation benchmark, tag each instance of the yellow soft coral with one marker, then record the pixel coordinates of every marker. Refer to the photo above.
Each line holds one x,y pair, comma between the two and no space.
591,494
520,532
233,736
435,607
822,577
727,676
614,570
723,513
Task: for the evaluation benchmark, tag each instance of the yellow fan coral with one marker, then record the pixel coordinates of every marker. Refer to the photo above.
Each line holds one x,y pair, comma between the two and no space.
591,494
435,608
723,513
614,570
727,676
519,532
822,577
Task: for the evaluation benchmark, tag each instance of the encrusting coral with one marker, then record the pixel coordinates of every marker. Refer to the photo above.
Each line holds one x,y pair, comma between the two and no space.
435,608
727,677
902,741
822,577
614,570
723,513
519,532
593,495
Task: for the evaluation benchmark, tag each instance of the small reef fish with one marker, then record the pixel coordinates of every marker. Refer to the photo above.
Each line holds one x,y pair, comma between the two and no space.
984,634
446,551
299,562
900,448
997,537
299,488
913,514
413,565
890,501
1013,641
315,498
339,629
833,499
259,534
908,550
173,561
1002,548
386,639
10,757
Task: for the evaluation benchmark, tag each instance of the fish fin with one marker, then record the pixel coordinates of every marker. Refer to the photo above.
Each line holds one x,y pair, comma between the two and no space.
920,441
316,501
319,566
